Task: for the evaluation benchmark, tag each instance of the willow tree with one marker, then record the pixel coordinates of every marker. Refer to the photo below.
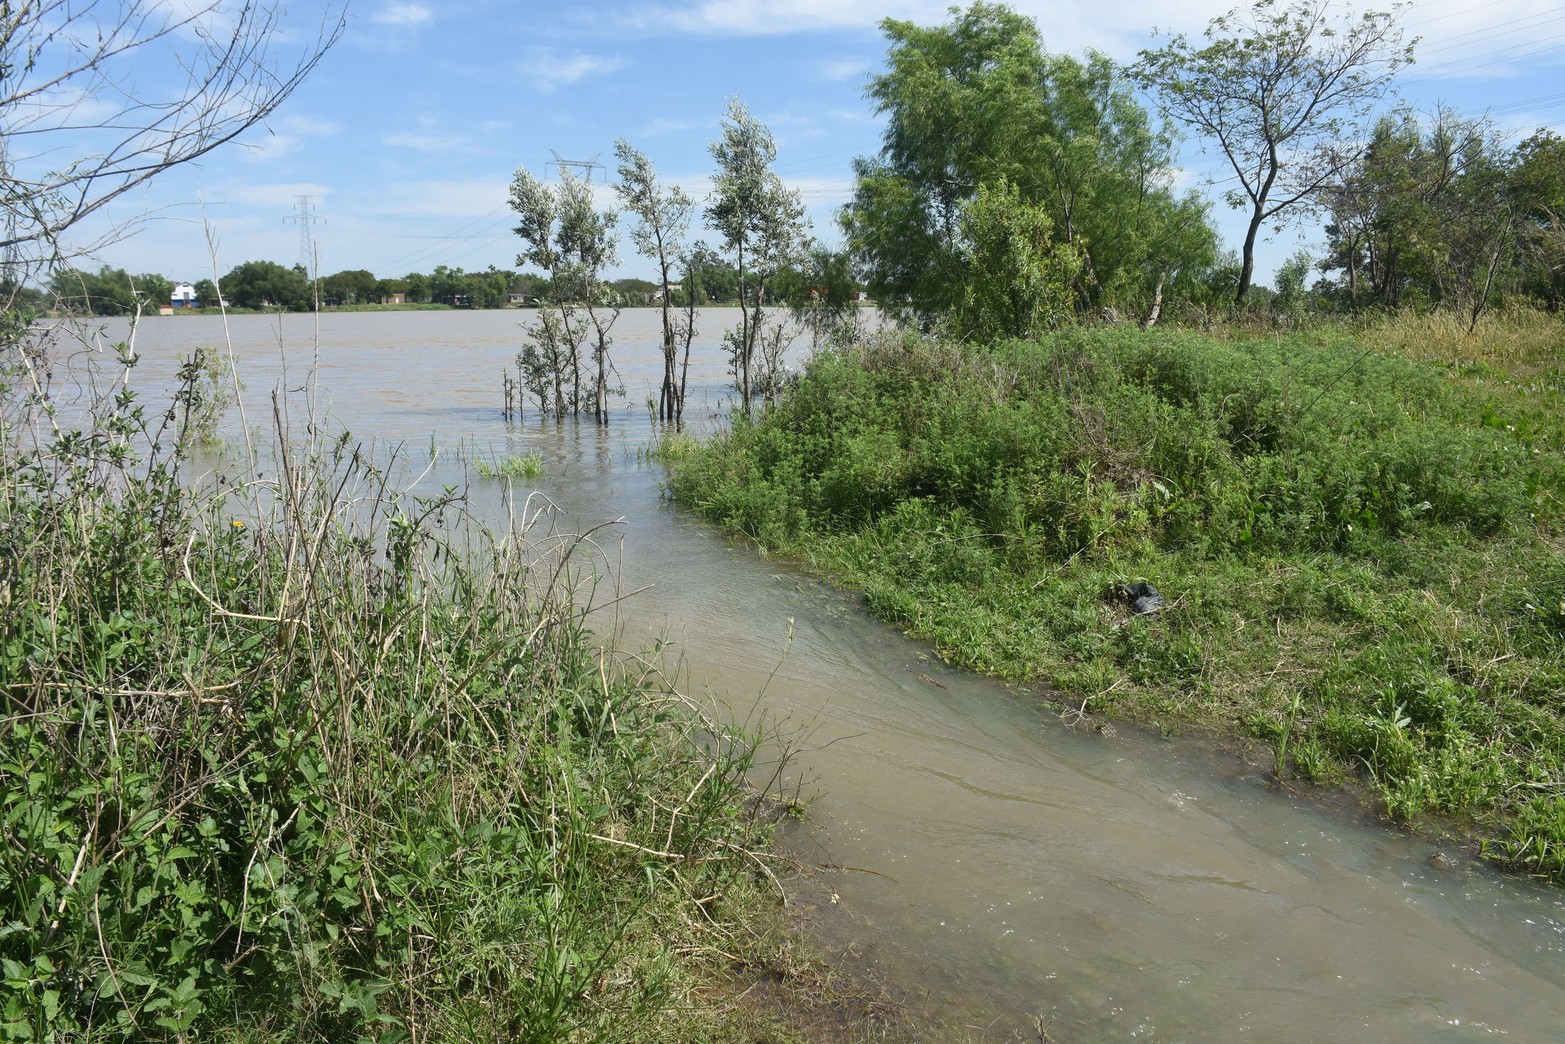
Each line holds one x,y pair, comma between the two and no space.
1280,89
663,222
763,227
978,102
573,243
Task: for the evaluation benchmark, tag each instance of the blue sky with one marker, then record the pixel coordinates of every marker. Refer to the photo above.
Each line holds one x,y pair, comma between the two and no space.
406,137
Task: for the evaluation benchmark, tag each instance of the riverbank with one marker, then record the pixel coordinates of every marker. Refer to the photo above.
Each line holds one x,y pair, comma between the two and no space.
1358,555
290,755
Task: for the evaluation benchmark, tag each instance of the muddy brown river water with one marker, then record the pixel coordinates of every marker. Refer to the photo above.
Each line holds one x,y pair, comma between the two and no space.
1122,885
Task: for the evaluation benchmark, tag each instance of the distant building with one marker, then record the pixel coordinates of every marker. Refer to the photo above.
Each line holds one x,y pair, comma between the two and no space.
184,296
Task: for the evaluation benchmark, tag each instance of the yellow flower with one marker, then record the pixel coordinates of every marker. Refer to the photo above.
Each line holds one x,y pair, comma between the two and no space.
236,523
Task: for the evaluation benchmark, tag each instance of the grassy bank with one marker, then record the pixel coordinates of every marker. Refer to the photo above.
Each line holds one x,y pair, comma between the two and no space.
286,755
1360,554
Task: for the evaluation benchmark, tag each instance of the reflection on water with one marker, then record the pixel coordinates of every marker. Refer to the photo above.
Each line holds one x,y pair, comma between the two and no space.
1123,885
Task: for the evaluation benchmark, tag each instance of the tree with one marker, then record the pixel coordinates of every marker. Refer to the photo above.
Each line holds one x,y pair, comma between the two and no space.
352,286
821,294
266,284
108,291
1019,271
1538,189
1423,215
206,293
386,289
662,222
66,84
418,286
977,102
762,225
1279,88
573,243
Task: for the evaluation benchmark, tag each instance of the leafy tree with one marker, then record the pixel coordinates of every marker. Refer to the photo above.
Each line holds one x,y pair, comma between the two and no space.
1538,189
109,291
529,285
206,293
353,286
573,243
1423,215
821,294
385,289
762,224
449,286
491,288
418,287
708,279
1293,293
662,222
266,284
978,102
1279,88
1019,272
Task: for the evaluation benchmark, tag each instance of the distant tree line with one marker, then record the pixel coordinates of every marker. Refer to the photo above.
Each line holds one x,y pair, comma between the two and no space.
265,285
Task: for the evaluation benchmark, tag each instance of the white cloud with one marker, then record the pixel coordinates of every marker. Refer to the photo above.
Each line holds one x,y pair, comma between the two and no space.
836,70
549,68
402,15
758,17
1068,26
281,197
425,142
286,135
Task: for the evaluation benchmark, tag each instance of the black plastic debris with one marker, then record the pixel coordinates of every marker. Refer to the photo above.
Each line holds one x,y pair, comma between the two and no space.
1143,598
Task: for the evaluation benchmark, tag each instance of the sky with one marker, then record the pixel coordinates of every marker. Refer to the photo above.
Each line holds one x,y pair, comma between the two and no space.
398,150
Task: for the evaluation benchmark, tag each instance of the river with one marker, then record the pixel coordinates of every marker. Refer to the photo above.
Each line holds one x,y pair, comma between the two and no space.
1119,884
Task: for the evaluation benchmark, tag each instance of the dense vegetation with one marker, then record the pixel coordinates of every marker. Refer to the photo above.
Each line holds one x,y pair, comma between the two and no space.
288,756
1360,554
1352,515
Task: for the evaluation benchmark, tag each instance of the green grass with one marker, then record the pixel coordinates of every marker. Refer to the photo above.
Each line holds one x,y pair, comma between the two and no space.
1361,553
525,465
291,757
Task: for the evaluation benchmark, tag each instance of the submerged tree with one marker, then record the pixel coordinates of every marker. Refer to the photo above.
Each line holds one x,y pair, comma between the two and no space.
1280,88
663,220
762,224
573,243
977,102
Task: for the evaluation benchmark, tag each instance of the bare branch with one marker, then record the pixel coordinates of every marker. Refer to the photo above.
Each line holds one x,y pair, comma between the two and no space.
128,89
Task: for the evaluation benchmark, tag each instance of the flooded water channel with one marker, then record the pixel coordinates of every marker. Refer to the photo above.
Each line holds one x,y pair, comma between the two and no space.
1118,884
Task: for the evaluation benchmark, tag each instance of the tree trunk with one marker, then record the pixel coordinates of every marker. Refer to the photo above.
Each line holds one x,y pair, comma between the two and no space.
1150,319
1247,268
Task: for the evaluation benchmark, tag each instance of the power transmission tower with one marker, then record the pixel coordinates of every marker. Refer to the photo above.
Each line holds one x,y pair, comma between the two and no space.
586,166
304,214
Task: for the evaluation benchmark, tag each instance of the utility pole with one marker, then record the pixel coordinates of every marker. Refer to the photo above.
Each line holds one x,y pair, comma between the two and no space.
585,166
304,214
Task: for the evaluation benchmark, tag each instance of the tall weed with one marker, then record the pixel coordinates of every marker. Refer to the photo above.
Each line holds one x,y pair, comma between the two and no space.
299,757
